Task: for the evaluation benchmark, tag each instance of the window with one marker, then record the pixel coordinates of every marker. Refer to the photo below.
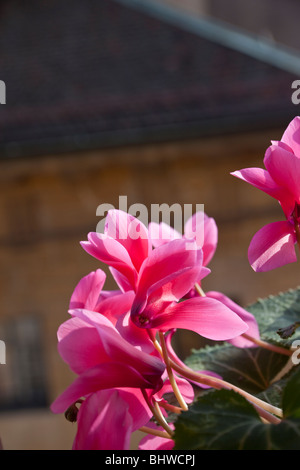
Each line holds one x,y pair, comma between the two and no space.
22,377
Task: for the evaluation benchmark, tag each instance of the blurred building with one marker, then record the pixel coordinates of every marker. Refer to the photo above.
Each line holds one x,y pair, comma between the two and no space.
105,99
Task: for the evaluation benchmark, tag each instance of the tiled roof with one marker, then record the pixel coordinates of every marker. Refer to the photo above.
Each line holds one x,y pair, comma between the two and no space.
83,74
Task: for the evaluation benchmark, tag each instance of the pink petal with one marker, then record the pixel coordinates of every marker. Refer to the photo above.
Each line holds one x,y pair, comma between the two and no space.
194,228
131,233
136,336
138,408
118,349
112,253
115,305
80,346
104,423
262,180
291,136
100,377
284,168
246,316
162,233
204,231
282,145
87,291
68,326
163,268
272,247
207,317
150,442
121,281
185,387
210,239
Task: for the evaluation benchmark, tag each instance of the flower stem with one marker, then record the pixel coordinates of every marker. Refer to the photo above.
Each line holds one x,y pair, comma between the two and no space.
199,290
172,379
155,410
155,432
266,416
265,345
173,408
217,383
296,224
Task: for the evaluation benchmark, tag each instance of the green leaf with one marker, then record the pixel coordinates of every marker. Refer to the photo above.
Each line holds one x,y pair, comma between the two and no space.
224,420
255,369
250,368
278,314
291,396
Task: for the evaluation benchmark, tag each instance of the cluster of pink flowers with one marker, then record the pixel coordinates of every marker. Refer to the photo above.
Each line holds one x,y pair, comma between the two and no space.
118,343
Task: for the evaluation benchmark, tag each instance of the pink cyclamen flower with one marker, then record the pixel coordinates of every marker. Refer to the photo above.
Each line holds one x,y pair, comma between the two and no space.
165,277
274,245
160,278
205,226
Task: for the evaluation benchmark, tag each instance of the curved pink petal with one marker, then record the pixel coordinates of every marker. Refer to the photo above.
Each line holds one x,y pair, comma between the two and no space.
150,442
138,408
80,346
112,253
172,267
162,233
104,423
118,349
247,317
87,291
185,387
261,179
207,317
136,336
68,326
100,377
291,136
284,168
282,144
129,232
204,231
272,247
210,239
121,281
114,306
